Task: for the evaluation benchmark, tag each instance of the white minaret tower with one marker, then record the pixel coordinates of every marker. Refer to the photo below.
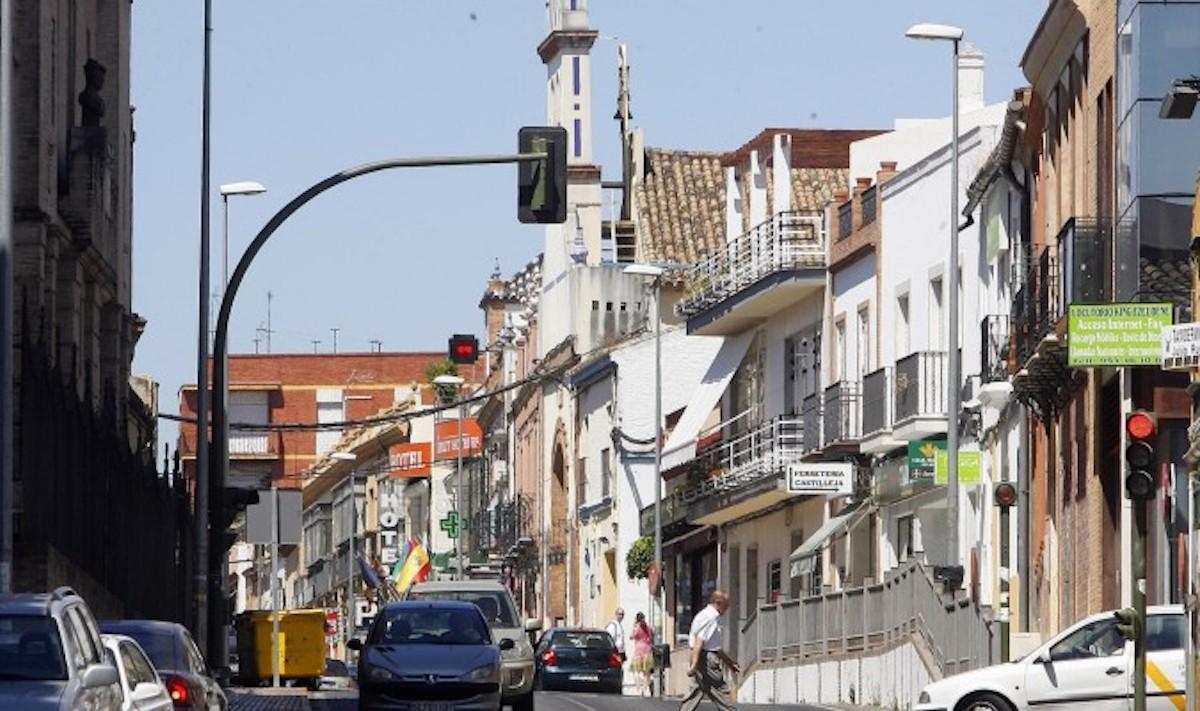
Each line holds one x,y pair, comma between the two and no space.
565,52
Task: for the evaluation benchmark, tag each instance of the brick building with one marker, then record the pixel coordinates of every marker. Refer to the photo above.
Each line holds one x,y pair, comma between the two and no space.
303,388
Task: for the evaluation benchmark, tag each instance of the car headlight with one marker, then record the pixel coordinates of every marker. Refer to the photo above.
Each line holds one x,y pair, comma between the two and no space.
522,650
923,698
488,672
380,674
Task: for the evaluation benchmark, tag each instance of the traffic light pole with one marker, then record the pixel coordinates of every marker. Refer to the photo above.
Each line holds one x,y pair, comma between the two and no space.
219,451
1139,605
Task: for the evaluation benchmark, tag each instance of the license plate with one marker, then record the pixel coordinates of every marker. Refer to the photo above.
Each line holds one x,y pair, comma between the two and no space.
583,677
431,707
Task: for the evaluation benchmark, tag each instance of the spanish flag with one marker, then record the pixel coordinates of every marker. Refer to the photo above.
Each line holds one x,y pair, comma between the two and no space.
416,568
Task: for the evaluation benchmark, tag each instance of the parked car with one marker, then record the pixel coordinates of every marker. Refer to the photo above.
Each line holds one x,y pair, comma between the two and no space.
337,675
579,659
1088,666
141,687
178,661
495,602
51,656
431,656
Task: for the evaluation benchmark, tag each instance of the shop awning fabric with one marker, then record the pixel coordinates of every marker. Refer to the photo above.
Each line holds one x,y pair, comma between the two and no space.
680,447
804,557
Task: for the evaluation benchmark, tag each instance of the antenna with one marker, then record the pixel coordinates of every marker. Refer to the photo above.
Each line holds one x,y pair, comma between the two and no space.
256,342
316,342
335,333
376,345
266,331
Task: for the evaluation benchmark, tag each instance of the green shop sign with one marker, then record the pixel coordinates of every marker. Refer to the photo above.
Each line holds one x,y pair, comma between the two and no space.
1116,334
969,466
922,458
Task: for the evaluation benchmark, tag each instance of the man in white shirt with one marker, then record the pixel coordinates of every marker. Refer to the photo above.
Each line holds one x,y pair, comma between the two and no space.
617,632
707,656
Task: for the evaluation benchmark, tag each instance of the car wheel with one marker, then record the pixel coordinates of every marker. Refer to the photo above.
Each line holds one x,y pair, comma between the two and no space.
985,701
523,703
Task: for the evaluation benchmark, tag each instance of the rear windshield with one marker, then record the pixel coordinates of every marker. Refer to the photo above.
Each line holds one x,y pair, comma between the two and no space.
582,640
496,606
430,626
30,649
160,647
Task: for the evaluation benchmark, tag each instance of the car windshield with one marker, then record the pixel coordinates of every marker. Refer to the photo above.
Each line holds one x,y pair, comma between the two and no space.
30,649
431,626
582,640
496,606
160,647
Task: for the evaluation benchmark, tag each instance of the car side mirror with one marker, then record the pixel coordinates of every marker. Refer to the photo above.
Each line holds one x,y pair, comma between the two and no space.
1043,657
533,625
98,675
507,644
355,645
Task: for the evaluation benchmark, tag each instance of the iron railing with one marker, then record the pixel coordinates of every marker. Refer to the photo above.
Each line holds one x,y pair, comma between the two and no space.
994,337
872,618
845,220
249,443
1037,307
812,417
869,203
843,413
1085,256
761,452
789,240
921,385
878,402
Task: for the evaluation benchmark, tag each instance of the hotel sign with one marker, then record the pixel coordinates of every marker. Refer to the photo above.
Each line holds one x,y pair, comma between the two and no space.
446,439
409,459
825,479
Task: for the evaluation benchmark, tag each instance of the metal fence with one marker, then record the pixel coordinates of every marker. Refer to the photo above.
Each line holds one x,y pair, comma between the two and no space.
843,413
872,618
811,414
878,402
746,458
869,204
789,240
921,385
995,341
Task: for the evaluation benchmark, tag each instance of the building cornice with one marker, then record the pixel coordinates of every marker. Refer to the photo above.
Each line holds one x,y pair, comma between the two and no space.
559,41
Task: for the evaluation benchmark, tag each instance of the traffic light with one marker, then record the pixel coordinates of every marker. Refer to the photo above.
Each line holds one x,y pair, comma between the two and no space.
234,500
1005,494
464,349
1139,455
542,185
1127,623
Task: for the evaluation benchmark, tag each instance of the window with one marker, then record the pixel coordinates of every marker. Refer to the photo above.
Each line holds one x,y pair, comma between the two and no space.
605,472
796,585
751,581
1165,633
31,650
329,409
839,350
581,482
790,401
863,363
88,646
249,407
937,314
904,538
903,342
774,580
195,659
1095,640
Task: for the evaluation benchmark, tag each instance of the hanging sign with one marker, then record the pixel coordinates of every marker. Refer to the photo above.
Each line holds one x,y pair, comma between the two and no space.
827,478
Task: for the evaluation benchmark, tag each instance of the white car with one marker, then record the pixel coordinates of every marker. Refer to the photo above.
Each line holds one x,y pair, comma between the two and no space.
141,687
1088,666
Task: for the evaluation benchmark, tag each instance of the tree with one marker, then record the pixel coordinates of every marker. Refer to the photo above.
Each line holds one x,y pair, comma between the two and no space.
640,557
445,393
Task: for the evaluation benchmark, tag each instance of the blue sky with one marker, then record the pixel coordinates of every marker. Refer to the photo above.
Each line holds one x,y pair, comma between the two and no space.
302,89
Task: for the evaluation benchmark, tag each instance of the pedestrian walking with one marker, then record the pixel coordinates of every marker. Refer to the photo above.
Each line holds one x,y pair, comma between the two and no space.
643,655
707,657
617,632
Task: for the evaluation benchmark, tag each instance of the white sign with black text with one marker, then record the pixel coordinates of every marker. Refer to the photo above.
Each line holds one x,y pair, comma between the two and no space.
1181,346
828,478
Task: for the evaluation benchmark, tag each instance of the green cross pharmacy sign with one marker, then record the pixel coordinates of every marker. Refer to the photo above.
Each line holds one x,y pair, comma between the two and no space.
1116,334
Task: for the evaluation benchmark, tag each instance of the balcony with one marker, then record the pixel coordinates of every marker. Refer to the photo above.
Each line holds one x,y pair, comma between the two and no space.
921,395
247,444
744,473
842,417
812,416
773,265
996,339
878,412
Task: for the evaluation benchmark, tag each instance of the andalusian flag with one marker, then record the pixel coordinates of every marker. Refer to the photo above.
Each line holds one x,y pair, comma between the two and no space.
416,568
401,558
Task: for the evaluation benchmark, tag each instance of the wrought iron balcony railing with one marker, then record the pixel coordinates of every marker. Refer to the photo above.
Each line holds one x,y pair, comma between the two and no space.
843,413
845,220
761,452
921,385
878,402
787,241
811,414
870,202
995,338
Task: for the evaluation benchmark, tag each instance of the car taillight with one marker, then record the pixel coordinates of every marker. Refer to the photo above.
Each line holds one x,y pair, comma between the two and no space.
178,690
550,658
614,661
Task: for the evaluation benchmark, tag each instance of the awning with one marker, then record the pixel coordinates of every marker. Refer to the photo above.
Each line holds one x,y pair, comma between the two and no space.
681,445
804,557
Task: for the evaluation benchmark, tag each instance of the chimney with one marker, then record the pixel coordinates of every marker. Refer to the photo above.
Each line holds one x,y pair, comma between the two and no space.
886,170
758,191
733,205
781,172
970,78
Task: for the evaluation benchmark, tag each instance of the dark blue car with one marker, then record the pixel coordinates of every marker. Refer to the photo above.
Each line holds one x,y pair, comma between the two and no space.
429,656
578,659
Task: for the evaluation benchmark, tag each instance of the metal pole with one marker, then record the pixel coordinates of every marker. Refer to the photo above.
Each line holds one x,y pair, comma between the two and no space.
351,617
1139,605
954,379
1005,565
225,242
458,487
6,300
274,586
203,572
658,543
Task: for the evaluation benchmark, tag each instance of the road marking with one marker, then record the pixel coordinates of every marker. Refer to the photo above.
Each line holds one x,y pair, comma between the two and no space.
1164,685
578,703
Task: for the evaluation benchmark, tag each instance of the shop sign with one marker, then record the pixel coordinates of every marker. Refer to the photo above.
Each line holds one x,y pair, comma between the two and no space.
970,466
1116,334
827,479
923,457
446,439
1181,346
391,525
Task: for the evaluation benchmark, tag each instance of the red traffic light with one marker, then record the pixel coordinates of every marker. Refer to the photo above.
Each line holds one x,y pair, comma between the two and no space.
464,349
1140,424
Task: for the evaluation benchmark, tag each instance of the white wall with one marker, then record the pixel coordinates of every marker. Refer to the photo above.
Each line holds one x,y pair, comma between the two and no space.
778,329
854,286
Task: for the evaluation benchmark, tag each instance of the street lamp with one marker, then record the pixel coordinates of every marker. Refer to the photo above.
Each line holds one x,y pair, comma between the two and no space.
954,35
456,382
1180,101
244,187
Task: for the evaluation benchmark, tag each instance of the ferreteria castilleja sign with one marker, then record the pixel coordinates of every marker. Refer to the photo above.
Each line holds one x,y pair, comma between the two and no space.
1116,334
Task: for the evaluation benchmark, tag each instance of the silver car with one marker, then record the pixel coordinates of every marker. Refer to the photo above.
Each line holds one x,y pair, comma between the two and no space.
51,655
495,602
